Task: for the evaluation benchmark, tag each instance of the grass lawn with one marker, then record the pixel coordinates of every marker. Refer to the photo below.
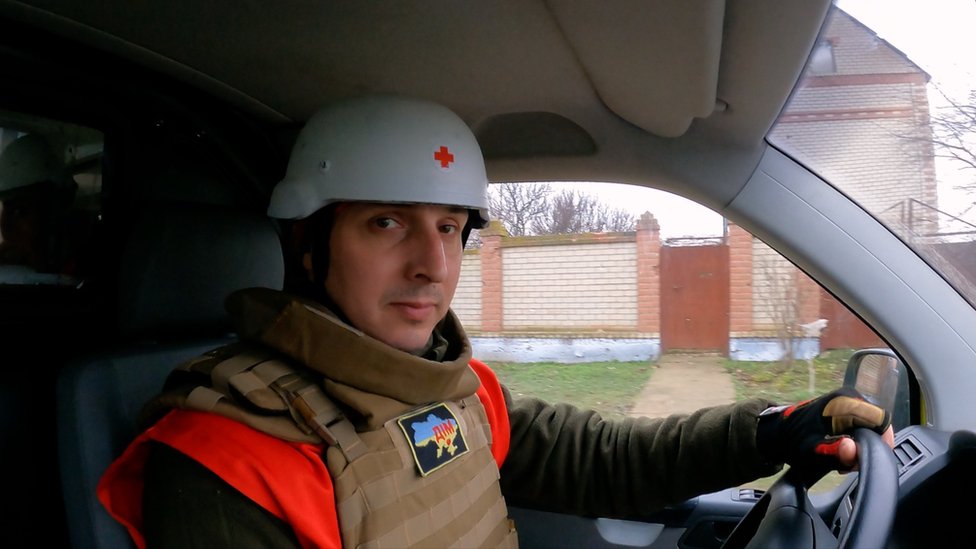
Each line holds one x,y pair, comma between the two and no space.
607,387
611,387
788,383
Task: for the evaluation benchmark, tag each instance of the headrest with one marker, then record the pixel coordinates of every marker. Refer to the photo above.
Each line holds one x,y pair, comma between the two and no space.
182,260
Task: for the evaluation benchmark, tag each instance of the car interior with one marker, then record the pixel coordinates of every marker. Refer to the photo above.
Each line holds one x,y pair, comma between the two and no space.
181,117
169,322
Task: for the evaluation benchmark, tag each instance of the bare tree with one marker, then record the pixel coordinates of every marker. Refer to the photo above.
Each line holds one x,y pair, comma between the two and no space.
954,133
781,296
566,214
573,212
950,131
534,209
517,204
620,221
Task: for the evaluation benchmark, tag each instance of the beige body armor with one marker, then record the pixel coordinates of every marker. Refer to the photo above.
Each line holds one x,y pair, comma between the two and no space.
425,477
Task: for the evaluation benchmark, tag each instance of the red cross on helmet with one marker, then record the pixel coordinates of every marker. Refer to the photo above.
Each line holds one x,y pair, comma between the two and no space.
383,149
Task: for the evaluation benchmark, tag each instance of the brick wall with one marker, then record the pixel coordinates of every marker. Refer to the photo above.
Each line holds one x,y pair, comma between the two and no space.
866,123
585,297
740,280
858,51
562,284
648,244
589,285
599,284
766,290
467,298
781,295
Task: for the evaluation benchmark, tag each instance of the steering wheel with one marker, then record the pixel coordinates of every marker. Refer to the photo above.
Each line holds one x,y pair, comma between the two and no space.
785,517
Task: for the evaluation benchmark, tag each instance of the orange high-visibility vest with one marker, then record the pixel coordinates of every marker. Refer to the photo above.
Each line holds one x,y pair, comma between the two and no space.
288,479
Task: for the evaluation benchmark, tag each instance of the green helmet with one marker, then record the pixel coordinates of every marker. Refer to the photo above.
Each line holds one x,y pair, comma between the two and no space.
383,149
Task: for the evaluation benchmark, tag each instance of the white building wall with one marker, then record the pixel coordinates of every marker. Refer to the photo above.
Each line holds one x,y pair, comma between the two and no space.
857,50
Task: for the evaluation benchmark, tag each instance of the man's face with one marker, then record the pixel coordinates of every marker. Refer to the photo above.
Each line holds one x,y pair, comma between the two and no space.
393,268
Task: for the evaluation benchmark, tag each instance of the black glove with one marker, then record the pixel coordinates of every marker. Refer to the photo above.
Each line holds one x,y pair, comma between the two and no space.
808,434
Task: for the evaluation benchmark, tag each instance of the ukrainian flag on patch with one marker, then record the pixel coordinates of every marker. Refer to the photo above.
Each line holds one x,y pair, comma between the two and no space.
435,437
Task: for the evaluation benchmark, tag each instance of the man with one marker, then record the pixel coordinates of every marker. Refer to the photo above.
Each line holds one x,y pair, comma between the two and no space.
356,416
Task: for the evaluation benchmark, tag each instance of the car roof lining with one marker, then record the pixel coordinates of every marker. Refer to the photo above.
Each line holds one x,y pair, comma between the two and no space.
670,59
640,90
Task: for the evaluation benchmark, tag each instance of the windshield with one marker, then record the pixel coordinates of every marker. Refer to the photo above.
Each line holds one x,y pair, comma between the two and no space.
886,111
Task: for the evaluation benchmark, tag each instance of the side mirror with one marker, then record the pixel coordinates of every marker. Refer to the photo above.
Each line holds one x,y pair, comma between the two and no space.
880,376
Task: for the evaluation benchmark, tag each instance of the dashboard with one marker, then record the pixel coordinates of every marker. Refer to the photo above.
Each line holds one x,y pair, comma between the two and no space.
936,477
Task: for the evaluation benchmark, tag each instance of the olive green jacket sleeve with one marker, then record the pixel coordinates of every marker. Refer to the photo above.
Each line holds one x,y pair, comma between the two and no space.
567,460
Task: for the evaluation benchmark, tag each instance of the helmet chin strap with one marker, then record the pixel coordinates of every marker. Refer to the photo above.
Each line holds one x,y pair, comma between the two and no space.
474,220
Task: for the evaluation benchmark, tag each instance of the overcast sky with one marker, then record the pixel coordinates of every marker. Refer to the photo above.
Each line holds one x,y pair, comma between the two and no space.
677,216
938,35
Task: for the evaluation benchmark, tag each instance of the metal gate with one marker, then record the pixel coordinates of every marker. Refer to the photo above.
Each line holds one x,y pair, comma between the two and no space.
695,298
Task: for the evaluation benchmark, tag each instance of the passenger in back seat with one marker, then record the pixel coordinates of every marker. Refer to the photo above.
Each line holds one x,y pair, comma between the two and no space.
355,415
36,191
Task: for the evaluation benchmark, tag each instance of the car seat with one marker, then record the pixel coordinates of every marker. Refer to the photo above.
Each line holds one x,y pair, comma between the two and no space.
179,264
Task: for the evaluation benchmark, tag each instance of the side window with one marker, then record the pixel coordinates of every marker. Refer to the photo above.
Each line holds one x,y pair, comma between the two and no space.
50,200
605,296
635,302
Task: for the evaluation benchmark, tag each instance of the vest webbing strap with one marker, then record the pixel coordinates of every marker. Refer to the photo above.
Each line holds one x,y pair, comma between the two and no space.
493,525
440,516
253,375
203,398
271,371
226,369
322,415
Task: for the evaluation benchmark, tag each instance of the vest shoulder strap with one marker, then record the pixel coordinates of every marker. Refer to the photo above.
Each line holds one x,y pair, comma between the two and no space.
255,386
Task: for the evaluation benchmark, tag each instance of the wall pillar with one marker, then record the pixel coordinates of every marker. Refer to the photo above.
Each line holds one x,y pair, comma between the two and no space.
648,274
740,279
492,308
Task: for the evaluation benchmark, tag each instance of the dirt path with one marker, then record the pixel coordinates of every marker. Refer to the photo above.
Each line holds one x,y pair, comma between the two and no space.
683,383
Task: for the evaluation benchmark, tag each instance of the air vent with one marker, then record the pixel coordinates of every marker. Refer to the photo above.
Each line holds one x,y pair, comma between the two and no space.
748,494
908,453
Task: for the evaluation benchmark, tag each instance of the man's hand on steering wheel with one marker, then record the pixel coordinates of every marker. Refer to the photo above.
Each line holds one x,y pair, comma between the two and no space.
814,434
814,437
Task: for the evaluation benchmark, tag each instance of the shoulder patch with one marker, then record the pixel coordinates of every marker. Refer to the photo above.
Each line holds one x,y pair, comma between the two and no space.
435,437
